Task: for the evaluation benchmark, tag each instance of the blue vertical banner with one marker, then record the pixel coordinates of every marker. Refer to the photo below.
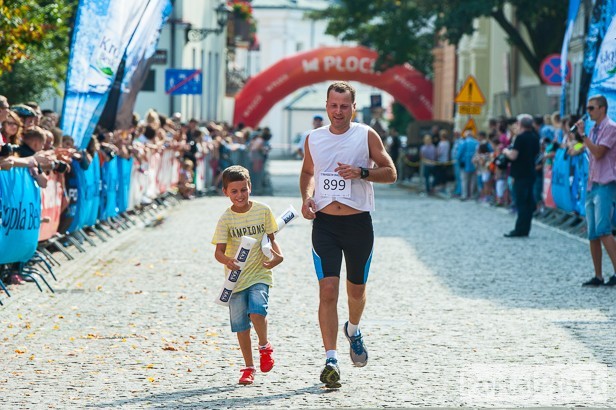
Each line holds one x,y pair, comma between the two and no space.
103,30
574,7
20,206
604,74
141,47
601,17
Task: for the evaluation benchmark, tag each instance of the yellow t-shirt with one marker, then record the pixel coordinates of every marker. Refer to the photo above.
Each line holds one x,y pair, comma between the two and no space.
258,221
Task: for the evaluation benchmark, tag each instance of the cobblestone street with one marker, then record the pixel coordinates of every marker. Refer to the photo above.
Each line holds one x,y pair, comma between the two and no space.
457,316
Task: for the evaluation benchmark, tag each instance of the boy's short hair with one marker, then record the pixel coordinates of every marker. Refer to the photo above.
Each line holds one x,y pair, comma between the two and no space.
234,173
35,133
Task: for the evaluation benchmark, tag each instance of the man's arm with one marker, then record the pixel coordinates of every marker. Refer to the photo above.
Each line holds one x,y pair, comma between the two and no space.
306,184
511,153
385,171
597,150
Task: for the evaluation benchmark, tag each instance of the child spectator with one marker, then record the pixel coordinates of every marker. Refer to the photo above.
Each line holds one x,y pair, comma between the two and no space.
482,160
186,187
249,301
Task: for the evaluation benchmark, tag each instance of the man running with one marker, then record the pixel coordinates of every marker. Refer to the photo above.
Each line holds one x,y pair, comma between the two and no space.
341,162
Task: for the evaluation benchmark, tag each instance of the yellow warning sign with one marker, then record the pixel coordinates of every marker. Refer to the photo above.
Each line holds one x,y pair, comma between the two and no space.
469,109
470,126
470,93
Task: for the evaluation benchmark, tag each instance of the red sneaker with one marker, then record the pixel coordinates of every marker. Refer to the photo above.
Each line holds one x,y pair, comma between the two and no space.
267,361
248,376
16,279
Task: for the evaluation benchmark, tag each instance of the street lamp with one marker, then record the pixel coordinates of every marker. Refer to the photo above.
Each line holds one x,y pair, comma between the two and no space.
222,16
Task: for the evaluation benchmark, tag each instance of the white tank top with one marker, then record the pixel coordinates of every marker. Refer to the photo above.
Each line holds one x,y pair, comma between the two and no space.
327,150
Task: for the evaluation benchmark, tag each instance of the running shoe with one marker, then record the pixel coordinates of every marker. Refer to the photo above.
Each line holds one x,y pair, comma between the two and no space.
247,376
267,361
331,374
359,353
595,281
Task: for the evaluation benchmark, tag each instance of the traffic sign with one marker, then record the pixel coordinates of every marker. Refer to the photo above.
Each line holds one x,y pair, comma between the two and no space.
179,82
470,93
469,109
470,126
550,70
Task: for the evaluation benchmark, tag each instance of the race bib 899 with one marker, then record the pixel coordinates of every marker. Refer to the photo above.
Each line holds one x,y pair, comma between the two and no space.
333,185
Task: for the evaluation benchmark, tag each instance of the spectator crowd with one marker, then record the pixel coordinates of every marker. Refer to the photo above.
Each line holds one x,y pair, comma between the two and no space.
31,138
462,165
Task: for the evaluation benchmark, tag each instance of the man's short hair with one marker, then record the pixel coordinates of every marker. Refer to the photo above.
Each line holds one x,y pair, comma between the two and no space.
318,118
600,99
342,87
34,133
525,120
234,173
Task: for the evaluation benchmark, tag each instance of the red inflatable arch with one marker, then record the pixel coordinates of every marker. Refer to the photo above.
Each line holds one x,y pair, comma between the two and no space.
407,85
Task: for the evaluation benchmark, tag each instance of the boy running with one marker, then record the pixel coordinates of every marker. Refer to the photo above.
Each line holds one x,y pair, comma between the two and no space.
249,301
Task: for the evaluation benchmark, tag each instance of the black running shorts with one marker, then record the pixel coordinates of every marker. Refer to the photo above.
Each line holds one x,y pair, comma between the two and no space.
351,235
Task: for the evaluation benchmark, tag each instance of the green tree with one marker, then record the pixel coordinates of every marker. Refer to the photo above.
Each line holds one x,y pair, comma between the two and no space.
399,30
403,30
34,46
543,20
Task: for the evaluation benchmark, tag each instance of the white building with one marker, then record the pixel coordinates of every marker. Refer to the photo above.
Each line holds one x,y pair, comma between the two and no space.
282,31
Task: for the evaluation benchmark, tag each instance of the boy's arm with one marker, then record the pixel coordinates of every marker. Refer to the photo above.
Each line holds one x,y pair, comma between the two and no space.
276,252
220,256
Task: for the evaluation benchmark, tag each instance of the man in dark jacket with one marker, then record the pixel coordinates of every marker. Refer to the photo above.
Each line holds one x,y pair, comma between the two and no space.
522,155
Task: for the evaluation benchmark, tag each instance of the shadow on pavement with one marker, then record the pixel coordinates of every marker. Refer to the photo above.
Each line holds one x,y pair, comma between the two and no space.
176,399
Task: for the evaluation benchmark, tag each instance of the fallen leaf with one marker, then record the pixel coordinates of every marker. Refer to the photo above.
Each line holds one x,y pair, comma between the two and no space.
138,264
149,366
151,379
20,351
171,348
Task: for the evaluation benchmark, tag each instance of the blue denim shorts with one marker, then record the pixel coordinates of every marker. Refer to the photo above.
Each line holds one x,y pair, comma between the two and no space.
251,300
599,209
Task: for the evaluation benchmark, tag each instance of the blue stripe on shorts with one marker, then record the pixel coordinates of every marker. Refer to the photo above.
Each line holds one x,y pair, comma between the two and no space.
318,267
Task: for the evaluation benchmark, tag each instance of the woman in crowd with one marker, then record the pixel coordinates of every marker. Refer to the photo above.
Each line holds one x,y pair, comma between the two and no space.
11,129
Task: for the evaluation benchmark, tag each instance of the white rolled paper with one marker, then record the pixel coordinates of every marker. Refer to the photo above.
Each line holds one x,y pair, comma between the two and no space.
283,220
241,256
290,214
